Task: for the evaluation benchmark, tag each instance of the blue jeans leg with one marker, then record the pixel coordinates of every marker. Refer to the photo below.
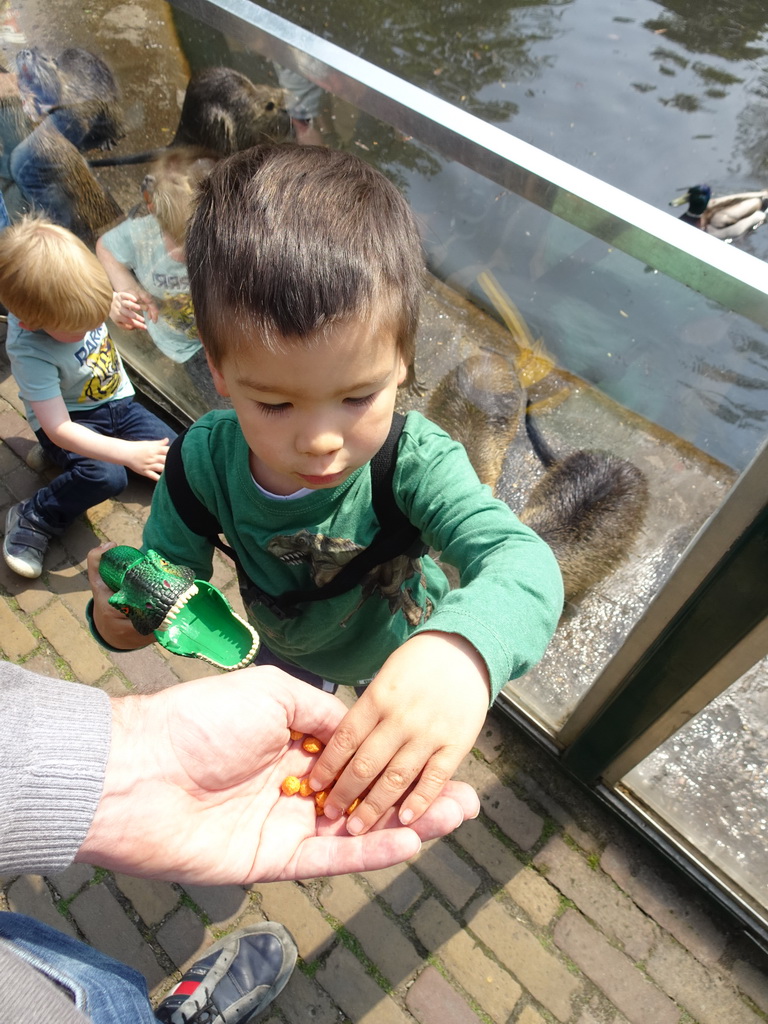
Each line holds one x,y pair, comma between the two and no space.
85,482
107,991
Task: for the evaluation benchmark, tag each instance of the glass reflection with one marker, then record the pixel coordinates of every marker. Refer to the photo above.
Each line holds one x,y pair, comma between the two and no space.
710,781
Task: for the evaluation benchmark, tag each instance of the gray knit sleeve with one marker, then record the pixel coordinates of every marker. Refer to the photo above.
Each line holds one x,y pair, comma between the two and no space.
54,743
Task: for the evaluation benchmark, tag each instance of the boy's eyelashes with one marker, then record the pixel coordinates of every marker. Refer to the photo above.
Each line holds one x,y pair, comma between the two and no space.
282,407
365,400
273,410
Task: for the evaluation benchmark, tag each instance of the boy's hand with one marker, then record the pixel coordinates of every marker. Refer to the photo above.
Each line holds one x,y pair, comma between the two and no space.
147,457
112,626
408,732
126,310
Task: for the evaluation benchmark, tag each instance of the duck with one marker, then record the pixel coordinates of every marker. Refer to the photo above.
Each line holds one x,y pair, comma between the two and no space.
726,217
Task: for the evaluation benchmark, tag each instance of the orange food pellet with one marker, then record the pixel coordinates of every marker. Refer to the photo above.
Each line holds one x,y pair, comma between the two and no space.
304,788
290,785
321,797
295,734
353,806
312,745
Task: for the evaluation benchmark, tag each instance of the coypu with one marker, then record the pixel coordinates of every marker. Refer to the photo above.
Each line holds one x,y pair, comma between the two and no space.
589,507
77,90
53,176
15,125
480,403
223,111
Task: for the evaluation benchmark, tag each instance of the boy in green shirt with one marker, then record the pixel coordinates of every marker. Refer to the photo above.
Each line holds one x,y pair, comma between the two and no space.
306,270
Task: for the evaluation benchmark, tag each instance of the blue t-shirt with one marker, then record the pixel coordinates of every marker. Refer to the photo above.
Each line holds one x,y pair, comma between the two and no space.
85,373
138,244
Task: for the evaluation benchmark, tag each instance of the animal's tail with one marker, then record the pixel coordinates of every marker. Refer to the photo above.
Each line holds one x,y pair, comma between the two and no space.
131,158
533,362
544,453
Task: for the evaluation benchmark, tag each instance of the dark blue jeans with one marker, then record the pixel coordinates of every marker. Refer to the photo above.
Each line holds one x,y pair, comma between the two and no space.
85,482
265,656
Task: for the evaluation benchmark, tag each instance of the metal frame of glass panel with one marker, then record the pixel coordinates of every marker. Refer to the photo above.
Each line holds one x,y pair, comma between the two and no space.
709,622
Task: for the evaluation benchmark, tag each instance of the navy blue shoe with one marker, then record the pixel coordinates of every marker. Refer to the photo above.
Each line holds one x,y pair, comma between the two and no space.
236,979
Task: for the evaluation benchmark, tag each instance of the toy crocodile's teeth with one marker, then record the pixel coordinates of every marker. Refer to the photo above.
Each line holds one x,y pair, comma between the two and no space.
188,594
248,659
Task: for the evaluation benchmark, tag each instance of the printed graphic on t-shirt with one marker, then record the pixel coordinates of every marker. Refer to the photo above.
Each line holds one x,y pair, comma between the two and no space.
326,556
176,309
97,351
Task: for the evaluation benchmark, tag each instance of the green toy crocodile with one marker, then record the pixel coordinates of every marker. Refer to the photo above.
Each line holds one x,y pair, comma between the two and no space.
189,617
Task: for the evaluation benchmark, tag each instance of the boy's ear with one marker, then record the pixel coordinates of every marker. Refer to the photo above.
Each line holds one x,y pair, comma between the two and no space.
402,372
218,381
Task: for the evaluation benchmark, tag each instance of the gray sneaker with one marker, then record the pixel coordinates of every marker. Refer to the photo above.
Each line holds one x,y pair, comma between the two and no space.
37,460
237,977
25,544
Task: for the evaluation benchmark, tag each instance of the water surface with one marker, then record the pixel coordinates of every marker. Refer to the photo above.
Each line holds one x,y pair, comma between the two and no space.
648,97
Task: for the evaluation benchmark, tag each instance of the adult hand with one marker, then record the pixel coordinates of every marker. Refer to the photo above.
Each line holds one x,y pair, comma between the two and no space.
192,789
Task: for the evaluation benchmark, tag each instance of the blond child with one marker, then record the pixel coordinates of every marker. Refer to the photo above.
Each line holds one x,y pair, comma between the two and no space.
77,396
144,259
306,271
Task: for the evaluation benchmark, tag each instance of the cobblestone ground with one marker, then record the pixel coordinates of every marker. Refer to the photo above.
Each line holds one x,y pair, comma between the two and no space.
545,909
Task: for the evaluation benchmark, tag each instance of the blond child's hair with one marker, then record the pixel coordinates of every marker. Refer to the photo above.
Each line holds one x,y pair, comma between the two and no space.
51,280
170,185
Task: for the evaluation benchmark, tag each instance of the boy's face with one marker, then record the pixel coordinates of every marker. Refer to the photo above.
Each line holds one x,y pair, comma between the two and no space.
312,416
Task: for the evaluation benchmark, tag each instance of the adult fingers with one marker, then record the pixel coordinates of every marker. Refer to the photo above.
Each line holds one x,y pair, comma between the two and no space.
324,855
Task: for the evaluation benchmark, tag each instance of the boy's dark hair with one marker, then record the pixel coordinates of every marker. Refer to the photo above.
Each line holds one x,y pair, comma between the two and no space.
288,240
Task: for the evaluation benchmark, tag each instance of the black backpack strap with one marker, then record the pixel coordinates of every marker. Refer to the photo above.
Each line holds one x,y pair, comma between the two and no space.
189,508
202,521
396,536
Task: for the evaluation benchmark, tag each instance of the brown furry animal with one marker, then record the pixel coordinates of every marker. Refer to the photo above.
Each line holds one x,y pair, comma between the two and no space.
77,90
588,507
66,189
480,403
223,111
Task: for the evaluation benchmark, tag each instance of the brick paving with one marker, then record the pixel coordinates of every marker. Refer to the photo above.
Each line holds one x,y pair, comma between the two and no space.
546,909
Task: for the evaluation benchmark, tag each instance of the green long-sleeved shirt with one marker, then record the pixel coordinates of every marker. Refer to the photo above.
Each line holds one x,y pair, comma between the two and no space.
510,595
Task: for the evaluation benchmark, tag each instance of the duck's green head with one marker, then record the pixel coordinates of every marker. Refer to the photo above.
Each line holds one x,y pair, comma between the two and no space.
697,197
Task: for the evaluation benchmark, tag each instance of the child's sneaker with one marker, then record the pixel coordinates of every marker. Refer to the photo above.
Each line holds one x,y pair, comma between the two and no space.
37,460
235,980
25,543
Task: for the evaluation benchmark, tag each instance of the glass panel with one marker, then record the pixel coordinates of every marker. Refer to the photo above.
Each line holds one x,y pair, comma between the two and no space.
635,364
710,781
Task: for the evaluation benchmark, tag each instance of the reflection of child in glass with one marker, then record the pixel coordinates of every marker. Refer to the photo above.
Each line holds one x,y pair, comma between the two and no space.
144,258
306,271
77,396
